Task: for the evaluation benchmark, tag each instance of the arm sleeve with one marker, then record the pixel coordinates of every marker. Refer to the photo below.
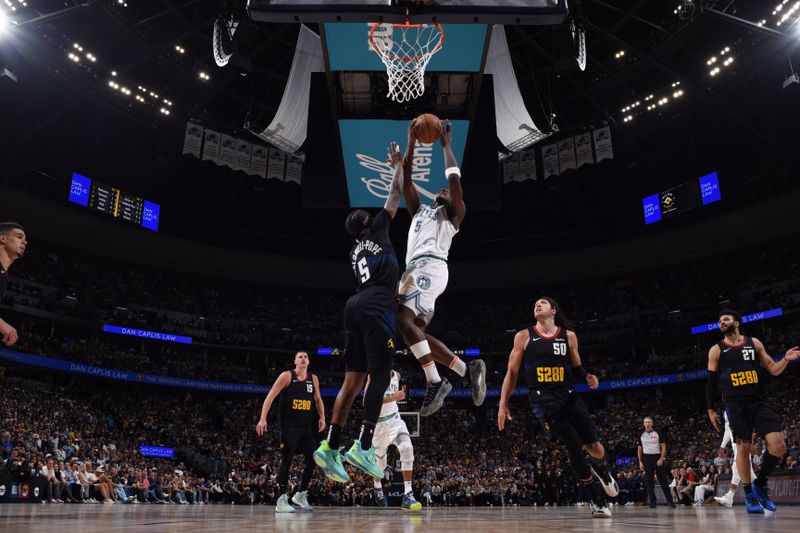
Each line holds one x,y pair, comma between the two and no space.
711,388
728,436
380,224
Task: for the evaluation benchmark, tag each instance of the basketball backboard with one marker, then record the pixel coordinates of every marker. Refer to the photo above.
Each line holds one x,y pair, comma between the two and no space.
522,12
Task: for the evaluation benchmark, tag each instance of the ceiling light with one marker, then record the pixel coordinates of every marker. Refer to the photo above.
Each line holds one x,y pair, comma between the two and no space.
113,72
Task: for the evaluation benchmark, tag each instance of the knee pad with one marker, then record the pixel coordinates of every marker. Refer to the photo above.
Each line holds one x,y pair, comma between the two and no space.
406,452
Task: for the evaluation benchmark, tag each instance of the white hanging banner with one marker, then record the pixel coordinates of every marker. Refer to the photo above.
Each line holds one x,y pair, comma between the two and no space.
583,149
243,149
227,151
602,144
258,161
527,165
275,164
566,154
211,146
193,140
294,170
510,168
550,160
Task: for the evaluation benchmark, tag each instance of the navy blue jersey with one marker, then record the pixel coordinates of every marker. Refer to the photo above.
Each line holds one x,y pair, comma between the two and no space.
297,400
373,258
546,362
739,370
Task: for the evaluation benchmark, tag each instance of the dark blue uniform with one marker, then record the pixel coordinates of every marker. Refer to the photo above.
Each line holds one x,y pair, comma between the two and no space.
297,406
741,377
549,379
370,315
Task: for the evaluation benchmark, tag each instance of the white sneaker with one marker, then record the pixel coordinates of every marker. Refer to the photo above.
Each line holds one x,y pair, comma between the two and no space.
724,500
600,512
301,500
607,481
108,501
283,505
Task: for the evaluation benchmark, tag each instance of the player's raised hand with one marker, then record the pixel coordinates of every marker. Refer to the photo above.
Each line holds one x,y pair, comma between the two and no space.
712,414
261,427
792,353
394,154
503,414
592,381
447,134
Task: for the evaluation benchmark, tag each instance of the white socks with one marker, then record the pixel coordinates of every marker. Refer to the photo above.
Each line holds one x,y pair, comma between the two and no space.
459,367
421,349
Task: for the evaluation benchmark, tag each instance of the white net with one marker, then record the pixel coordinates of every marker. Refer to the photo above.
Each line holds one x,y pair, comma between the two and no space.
405,51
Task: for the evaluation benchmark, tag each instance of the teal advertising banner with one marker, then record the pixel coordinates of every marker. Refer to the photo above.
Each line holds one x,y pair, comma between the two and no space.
365,146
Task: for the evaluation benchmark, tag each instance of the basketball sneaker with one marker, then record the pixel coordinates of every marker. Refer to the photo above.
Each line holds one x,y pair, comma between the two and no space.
300,499
600,512
283,505
726,500
762,493
434,397
330,461
364,460
477,380
410,503
380,498
605,478
752,505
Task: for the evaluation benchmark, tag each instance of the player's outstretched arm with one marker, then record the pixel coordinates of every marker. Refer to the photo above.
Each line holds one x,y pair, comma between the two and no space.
281,383
711,386
512,374
396,188
775,368
457,205
410,194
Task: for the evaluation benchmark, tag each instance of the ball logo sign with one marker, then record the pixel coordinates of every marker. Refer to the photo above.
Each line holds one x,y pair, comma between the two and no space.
369,174
2,490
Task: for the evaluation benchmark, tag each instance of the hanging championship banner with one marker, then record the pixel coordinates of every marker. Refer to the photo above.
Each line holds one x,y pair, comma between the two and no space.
227,151
243,149
550,160
211,146
193,140
527,165
583,149
510,168
294,170
275,164
258,161
602,144
566,154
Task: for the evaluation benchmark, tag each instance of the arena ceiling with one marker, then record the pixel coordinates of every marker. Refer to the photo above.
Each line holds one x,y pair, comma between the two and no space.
62,112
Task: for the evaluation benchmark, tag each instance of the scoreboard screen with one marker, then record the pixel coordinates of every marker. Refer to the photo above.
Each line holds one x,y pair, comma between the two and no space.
682,198
114,202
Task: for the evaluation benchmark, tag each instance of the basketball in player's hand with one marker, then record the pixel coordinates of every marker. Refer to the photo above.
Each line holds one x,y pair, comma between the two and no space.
427,128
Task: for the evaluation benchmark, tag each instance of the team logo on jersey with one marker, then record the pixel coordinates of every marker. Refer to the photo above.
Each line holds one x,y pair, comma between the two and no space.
424,282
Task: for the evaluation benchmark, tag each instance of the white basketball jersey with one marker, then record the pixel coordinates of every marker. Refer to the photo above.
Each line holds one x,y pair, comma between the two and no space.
430,233
394,385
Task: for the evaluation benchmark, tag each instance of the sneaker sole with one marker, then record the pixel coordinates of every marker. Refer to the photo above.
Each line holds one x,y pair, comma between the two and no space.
415,507
323,465
366,469
438,400
479,394
610,490
601,516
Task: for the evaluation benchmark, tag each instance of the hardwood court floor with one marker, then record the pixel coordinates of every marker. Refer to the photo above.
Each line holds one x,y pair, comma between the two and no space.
225,518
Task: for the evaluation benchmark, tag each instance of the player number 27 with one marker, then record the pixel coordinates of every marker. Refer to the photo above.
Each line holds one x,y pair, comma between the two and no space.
363,269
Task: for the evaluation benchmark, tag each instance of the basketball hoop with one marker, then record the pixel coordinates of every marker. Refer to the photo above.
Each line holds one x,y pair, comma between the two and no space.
406,49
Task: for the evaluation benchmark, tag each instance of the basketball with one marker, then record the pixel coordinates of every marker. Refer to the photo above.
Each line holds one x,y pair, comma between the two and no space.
427,128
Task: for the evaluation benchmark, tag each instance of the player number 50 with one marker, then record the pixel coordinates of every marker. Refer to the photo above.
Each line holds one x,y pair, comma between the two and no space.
363,269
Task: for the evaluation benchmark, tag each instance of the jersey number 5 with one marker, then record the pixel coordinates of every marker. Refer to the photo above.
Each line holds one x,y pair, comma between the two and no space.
363,269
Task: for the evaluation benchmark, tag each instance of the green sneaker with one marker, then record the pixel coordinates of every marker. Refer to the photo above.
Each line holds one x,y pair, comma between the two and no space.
330,461
364,460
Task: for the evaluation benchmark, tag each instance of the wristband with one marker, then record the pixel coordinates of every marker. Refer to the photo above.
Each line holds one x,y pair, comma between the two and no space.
579,372
452,170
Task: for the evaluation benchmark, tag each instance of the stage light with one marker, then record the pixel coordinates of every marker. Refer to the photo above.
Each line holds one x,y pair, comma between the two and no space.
113,72
180,49
204,76
4,22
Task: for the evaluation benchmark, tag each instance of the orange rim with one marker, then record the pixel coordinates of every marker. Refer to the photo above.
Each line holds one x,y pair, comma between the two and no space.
406,25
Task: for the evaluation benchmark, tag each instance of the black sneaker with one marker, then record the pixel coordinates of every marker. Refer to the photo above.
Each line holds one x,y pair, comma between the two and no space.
477,381
434,397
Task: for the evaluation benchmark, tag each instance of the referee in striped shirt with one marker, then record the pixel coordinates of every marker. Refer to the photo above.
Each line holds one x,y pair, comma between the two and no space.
652,450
